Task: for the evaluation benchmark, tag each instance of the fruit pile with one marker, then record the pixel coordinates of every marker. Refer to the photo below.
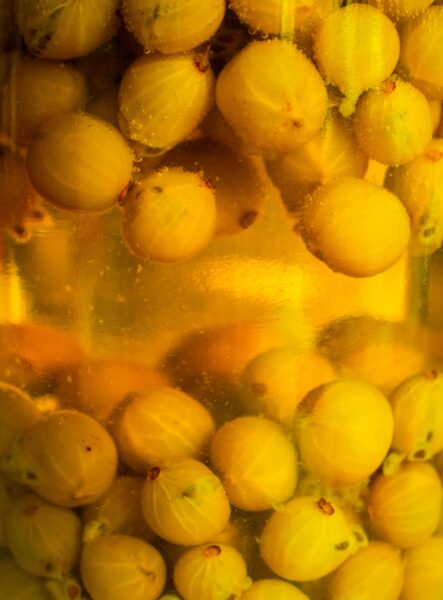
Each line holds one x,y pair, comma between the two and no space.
239,467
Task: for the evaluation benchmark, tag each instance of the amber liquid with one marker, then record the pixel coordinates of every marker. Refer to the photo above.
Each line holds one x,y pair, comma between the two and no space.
257,289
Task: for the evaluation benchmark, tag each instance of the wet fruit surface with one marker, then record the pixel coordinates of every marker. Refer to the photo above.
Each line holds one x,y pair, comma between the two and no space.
221,273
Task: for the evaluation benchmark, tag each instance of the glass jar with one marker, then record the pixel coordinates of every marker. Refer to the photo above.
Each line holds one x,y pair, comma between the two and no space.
221,293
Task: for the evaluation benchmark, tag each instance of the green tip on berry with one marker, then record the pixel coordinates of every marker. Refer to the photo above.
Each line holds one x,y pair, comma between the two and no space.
95,528
392,464
347,105
65,588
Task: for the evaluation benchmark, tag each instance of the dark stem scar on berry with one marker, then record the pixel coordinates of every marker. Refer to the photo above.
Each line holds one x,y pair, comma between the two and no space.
88,448
208,183
19,231
188,492
248,218
428,231
258,389
31,476
103,527
432,374
37,215
30,510
124,193
420,454
149,574
212,551
40,38
49,568
298,123
429,436
358,536
388,86
73,592
201,63
154,473
326,506
342,545
434,155
158,189
39,45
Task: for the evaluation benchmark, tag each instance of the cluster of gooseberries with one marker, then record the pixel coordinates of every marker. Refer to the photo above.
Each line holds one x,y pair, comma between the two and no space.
184,113
325,482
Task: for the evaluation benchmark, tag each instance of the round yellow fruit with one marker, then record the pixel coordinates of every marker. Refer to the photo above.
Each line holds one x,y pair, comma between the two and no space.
345,57
423,571
257,463
169,216
422,51
357,228
185,502
172,26
419,186
393,122
418,416
65,30
44,539
121,566
78,472
162,99
211,572
158,426
78,162
344,431
265,589
373,572
306,539
272,96
405,508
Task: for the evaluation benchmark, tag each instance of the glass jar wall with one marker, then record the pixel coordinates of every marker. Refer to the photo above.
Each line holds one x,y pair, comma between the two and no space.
221,313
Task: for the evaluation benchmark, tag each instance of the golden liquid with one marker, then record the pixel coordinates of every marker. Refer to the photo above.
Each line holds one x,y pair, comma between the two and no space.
259,289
